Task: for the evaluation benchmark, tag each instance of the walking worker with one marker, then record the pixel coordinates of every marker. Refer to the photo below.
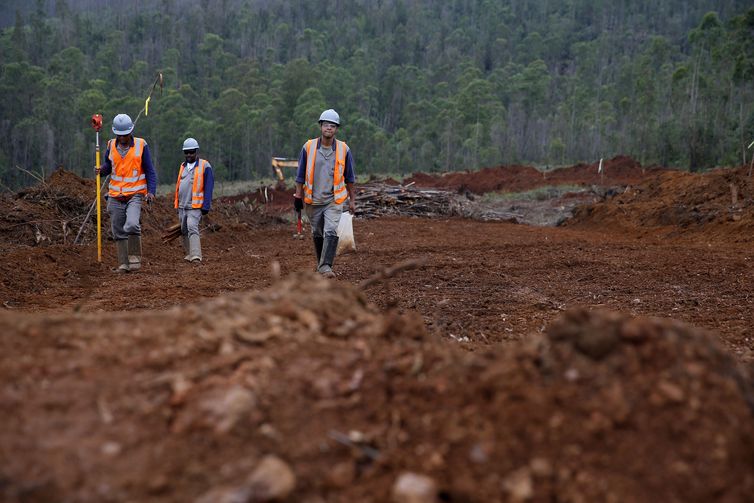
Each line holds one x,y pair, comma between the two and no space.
324,181
193,197
133,180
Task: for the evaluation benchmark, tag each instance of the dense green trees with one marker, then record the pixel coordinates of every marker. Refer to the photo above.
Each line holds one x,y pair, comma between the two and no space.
421,85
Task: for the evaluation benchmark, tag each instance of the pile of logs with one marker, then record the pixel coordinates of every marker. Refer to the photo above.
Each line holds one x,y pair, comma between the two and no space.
171,233
377,199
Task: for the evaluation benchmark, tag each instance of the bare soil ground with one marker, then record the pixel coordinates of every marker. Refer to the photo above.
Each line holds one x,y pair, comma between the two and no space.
500,368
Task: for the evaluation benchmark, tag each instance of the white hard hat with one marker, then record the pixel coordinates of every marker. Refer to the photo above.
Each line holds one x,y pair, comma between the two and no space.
330,115
190,144
122,125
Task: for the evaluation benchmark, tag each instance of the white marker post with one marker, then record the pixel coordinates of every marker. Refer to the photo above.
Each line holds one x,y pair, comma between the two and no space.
752,158
602,175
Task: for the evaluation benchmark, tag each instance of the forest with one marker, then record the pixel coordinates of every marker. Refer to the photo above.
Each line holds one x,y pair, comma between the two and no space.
420,85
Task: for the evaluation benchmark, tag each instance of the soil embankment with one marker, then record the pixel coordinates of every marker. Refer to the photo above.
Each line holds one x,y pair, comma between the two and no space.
606,360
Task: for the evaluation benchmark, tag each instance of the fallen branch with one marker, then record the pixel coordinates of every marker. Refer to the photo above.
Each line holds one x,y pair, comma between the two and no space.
34,222
174,231
392,271
171,233
212,227
38,177
86,218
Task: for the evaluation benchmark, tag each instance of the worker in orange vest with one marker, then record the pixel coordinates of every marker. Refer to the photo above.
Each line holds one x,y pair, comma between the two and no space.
324,181
133,180
193,197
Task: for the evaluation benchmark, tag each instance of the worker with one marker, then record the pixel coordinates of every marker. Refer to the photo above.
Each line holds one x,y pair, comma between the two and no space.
133,180
193,197
324,181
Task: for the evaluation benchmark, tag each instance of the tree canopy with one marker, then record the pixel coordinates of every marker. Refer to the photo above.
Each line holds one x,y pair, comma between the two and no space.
423,85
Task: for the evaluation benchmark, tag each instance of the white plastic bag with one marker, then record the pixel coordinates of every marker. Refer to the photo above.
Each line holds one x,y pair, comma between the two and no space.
346,242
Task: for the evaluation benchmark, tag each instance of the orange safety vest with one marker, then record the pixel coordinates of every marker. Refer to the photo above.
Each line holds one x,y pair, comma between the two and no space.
340,192
127,177
197,190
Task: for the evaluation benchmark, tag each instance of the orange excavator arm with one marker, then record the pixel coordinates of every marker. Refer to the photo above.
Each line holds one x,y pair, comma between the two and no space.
281,162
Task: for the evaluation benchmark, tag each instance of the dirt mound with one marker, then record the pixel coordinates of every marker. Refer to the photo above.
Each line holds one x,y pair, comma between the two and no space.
714,205
52,212
508,178
270,197
620,170
307,393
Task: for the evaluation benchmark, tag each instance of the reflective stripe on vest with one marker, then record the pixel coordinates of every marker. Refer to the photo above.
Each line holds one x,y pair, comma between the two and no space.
127,177
340,193
197,187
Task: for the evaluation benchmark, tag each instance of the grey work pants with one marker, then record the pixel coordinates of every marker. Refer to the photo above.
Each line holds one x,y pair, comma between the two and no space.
125,216
189,219
324,219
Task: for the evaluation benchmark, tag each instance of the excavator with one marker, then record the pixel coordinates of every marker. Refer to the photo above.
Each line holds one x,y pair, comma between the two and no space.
278,163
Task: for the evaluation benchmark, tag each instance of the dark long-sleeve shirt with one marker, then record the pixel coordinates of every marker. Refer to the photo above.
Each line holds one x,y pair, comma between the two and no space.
209,184
146,166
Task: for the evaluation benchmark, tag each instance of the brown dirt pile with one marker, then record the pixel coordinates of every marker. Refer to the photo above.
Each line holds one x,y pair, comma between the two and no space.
305,392
620,170
273,198
51,213
48,212
718,204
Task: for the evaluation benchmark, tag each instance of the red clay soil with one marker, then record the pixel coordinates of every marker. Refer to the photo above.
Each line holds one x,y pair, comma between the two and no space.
183,404
493,369
273,198
717,206
620,170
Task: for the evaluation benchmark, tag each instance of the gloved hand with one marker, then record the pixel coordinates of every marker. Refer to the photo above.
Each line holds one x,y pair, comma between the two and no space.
204,212
149,198
97,169
298,203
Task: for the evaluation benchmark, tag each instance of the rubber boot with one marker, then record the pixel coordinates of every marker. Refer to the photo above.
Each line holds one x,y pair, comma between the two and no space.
328,256
134,252
318,242
185,241
121,247
195,248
